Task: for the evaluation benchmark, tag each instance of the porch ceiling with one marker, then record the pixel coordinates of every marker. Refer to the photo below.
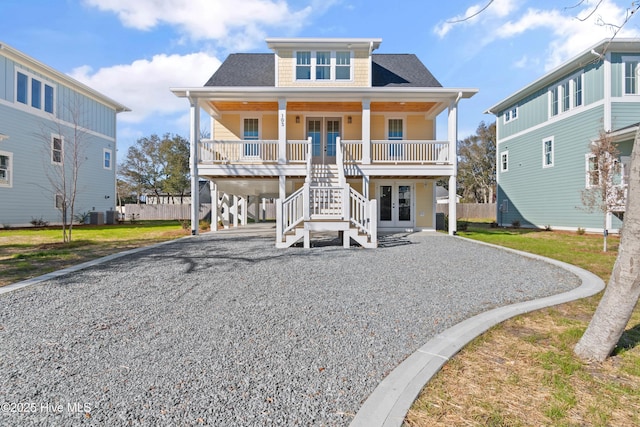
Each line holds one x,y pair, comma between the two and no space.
347,107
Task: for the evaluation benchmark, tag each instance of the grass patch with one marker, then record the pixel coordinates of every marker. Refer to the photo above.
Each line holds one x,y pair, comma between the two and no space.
30,252
523,371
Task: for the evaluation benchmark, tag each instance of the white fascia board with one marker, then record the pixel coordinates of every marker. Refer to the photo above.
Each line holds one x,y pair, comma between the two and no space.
418,94
30,62
590,55
323,43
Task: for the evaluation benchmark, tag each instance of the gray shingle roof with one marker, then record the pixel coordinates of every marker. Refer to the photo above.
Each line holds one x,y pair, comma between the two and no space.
258,69
400,70
245,69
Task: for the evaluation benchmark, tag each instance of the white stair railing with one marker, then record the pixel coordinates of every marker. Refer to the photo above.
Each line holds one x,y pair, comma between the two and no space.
309,157
340,161
292,209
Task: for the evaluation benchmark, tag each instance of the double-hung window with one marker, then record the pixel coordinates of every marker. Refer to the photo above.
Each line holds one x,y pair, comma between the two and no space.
395,133
547,152
631,71
566,95
34,92
323,65
343,65
250,132
303,65
592,171
504,161
106,158
6,167
511,114
56,150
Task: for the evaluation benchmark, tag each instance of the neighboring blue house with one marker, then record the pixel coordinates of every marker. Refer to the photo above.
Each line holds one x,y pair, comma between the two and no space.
43,115
544,132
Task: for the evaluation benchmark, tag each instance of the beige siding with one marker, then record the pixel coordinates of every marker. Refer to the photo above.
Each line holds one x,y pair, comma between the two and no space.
286,71
295,131
352,131
378,127
424,205
270,126
227,127
419,128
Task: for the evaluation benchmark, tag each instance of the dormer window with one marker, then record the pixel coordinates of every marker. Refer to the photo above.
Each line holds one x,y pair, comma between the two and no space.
323,65
303,66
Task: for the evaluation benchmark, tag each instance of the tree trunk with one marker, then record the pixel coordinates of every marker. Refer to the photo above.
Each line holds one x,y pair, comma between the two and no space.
622,293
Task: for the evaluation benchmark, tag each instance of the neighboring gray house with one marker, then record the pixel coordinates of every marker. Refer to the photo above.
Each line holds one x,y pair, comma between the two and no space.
41,110
344,138
545,129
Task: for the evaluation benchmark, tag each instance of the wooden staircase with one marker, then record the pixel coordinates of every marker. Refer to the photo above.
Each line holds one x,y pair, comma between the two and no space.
326,203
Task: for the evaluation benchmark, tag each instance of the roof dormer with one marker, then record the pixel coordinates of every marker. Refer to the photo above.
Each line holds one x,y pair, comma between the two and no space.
323,61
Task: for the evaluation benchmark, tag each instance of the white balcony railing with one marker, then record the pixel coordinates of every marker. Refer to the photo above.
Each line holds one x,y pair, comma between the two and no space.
254,151
406,151
266,151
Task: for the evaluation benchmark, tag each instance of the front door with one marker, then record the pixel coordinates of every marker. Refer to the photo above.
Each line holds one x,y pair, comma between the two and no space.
323,132
395,201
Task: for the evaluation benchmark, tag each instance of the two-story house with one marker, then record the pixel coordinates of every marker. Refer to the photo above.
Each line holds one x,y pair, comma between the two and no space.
544,134
48,122
343,138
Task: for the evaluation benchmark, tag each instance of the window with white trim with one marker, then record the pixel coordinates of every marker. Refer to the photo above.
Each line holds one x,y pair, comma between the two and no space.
6,169
59,201
631,75
251,132
106,158
547,152
511,114
323,65
35,92
395,132
57,150
592,174
504,161
566,95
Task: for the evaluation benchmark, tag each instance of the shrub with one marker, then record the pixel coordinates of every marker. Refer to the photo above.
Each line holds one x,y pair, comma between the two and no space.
204,225
81,218
494,224
38,222
547,228
462,225
580,231
515,223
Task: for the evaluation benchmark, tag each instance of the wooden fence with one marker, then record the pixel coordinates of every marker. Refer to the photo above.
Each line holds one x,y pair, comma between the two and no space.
470,210
165,212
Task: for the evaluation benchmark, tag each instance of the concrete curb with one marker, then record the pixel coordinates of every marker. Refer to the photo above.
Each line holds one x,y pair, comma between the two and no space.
74,268
389,403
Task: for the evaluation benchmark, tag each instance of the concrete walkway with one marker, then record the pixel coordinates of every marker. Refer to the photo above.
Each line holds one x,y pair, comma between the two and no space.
225,329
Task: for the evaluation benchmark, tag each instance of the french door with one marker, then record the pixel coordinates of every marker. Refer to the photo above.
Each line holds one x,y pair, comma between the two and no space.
324,132
396,205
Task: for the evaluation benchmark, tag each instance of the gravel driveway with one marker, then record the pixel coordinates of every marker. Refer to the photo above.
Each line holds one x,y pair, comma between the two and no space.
226,330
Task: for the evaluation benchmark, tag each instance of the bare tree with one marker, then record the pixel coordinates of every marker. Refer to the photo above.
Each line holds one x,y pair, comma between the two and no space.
65,145
603,194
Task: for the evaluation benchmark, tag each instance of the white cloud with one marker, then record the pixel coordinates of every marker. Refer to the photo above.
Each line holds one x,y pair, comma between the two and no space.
143,85
476,14
235,24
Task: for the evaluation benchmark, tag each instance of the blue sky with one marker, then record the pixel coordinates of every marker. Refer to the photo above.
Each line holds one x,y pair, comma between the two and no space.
135,50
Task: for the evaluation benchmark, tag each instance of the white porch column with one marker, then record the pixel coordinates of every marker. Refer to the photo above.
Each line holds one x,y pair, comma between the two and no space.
366,132
235,210
245,208
194,139
453,158
282,187
282,131
215,210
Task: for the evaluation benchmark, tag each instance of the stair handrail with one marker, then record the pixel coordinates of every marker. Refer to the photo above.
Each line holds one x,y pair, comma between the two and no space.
340,161
293,210
359,212
309,158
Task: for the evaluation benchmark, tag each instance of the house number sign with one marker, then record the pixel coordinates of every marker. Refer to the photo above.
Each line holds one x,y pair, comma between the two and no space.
281,119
